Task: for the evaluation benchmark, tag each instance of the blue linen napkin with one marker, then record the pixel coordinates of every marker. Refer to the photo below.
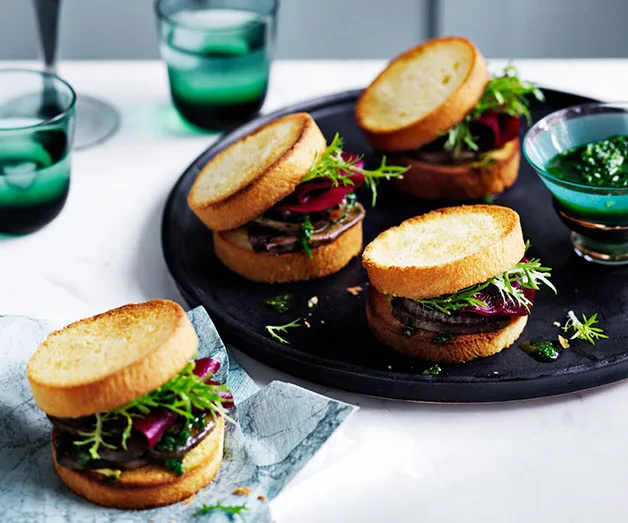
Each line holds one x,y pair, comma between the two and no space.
279,428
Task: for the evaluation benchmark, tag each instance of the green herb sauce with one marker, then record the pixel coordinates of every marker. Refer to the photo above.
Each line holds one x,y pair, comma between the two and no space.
281,302
599,164
545,351
175,465
443,337
434,370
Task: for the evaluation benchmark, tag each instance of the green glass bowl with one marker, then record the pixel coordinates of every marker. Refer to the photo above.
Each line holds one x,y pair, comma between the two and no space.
597,216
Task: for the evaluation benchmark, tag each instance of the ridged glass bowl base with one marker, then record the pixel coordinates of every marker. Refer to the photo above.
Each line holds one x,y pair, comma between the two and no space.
596,242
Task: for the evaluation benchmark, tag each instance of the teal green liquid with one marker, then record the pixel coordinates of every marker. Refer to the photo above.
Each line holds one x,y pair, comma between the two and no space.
217,79
34,180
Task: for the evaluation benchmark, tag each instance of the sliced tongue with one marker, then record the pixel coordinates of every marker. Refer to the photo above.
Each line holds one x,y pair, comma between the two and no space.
154,425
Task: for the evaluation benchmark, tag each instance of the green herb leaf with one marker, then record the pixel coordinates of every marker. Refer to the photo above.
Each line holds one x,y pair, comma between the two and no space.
527,274
281,302
333,166
584,329
505,94
274,329
307,231
183,394
434,370
175,465
231,510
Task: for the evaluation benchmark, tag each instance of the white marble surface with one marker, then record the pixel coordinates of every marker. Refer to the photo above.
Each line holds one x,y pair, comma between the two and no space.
559,460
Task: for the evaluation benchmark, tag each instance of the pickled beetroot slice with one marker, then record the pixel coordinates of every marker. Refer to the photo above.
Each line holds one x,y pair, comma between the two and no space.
498,306
154,425
494,129
320,194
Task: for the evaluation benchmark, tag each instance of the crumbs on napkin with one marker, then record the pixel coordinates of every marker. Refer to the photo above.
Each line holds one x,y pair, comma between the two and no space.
354,290
312,302
241,491
261,498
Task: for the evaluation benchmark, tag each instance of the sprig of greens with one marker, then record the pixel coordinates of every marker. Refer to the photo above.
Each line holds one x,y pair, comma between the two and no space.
584,329
528,274
94,438
307,230
505,94
182,394
274,329
333,166
231,510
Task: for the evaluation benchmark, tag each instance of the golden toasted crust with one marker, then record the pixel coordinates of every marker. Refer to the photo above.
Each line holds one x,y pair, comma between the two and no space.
295,266
418,68
463,347
468,181
254,173
99,363
150,486
444,251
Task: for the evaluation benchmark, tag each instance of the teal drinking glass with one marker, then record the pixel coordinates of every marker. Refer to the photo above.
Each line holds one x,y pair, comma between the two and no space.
36,130
218,54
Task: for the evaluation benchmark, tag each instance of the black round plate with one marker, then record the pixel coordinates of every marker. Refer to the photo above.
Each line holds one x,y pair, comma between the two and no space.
338,349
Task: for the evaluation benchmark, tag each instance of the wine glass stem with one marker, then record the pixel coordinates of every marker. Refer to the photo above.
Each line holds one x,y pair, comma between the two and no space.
47,12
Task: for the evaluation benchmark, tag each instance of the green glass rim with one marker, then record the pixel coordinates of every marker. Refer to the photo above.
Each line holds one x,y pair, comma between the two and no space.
545,123
159,13
46,75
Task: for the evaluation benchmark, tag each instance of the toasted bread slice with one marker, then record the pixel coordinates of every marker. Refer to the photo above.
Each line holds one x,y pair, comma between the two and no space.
293,266
422,93
100,363
468,181
150,486
254,173
444,251
463,347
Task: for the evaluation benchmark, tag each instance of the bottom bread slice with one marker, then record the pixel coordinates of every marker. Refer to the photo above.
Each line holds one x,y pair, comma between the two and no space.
463,347
467,181
150,486
293,266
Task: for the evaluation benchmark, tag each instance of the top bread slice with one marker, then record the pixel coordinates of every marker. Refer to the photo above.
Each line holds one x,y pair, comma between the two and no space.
444,251
104,362
257,171
422,93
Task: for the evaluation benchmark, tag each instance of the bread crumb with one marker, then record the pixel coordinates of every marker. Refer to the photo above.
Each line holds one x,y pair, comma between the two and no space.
354,290
187,501
306,323
556,324
495,372
389,367
322,321
564,342
241,491
312,302
261,498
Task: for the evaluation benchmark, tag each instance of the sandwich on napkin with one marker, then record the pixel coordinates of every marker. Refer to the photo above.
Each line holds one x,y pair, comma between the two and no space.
452,285
281,202
137,423
435,110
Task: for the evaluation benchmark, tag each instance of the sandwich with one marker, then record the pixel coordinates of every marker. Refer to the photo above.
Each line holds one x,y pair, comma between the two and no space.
435,110
136,422
452,285
281,203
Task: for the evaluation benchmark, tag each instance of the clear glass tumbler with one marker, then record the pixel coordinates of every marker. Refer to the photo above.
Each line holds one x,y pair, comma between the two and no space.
36,130
218,54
